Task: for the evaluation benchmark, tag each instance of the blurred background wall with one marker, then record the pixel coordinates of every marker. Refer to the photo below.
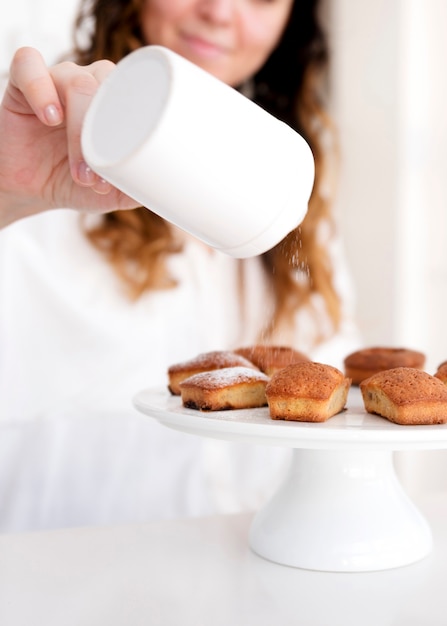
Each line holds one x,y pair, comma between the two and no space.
389,99
389,92
44,24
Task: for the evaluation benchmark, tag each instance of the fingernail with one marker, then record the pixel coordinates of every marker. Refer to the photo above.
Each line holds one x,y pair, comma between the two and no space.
102,186
52,115
86,175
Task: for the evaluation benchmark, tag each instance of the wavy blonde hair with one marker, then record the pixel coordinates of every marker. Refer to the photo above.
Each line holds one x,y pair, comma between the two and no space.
137,243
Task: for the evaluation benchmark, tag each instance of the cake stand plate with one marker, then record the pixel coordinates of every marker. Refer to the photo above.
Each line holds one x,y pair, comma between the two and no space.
341,507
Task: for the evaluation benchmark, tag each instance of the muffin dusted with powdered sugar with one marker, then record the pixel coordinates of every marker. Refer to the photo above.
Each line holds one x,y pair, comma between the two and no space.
204,362
223,389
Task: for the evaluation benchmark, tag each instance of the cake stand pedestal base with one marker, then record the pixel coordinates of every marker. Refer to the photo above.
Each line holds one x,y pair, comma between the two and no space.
341,511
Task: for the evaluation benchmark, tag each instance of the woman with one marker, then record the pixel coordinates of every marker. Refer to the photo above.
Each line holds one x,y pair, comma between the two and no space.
95,309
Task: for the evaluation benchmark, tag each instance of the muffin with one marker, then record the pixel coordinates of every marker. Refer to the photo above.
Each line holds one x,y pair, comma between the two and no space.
405,395
223,389
204,362
369,361
441,372
307,392
270,359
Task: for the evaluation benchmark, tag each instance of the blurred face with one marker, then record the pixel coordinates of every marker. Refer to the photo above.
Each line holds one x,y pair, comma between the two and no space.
231,39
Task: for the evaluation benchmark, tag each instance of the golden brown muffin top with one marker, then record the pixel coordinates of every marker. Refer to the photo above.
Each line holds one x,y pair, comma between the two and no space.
384,358
407,385
316,381
442,372
225,377
266,356
216,359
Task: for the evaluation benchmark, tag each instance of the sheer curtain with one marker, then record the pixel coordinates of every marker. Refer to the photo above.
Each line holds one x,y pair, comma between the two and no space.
389,91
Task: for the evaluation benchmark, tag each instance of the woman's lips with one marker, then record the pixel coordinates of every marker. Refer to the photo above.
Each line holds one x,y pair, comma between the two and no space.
204,47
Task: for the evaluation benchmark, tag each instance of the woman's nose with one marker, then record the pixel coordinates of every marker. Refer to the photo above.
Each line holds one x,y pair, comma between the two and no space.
218,10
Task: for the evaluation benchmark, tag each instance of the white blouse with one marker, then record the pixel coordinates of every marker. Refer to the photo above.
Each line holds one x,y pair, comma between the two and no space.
74,350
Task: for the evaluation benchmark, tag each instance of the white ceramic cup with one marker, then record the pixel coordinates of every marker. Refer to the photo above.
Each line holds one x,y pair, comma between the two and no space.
198,153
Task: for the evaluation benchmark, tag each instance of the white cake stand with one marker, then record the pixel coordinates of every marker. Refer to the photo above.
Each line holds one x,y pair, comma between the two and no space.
341,507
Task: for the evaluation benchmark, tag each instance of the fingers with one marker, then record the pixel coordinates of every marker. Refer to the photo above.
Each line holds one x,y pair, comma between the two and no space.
29,74
61,94
100,70
44,88
76,87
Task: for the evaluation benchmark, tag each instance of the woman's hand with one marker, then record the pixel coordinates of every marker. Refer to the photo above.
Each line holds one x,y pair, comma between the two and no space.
41,164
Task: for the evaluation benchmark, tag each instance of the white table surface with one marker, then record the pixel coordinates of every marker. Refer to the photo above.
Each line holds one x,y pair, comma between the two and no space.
201,572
